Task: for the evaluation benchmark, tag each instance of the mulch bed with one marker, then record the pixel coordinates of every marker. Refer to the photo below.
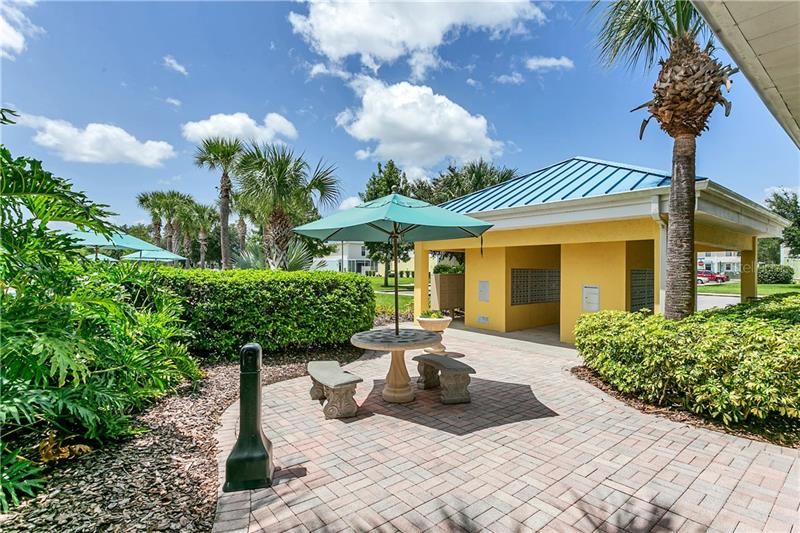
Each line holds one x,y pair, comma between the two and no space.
164,479
676,413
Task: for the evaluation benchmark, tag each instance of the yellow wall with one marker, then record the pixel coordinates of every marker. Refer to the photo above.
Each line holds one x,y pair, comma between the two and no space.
530,315
421,278
601,264
749,280
491,267
638,254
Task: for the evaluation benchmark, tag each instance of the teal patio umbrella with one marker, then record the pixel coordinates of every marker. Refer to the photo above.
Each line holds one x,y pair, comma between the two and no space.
394,218
117,241
159,256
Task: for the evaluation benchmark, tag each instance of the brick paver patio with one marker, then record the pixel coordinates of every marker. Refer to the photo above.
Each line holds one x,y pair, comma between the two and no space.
537,449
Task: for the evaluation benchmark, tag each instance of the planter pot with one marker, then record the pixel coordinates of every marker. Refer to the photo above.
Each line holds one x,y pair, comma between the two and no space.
438,325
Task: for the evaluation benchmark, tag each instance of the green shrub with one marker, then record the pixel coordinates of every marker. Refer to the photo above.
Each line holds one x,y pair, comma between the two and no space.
444,268
772,274
739,365
431,313
279,310
83,347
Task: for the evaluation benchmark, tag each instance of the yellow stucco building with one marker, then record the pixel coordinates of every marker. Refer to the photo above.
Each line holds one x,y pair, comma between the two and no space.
584,235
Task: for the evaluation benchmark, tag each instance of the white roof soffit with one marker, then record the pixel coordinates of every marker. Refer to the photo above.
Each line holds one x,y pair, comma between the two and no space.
763,37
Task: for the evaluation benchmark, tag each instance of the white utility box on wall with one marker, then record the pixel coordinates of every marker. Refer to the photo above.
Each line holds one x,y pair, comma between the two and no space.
591,298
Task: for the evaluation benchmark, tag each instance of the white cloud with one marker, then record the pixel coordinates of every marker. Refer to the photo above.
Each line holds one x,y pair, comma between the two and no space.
96,143
423,60
15,28
350,202
382,32
172,64
321,69
549,63
173,102
515,78
415,126
167,182
240,125
473,83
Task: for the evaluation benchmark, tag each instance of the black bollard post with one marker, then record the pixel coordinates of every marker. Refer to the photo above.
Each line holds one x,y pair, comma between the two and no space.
249,466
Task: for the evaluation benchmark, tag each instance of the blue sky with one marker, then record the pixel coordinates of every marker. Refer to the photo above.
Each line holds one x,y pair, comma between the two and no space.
423,84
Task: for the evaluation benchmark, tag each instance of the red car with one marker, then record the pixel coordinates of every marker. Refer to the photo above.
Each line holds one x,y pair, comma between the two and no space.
707,275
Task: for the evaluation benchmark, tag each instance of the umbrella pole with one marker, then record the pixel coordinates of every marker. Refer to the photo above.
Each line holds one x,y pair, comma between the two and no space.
396,297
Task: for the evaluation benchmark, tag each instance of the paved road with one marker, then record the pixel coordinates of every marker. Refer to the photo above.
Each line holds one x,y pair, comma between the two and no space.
707,301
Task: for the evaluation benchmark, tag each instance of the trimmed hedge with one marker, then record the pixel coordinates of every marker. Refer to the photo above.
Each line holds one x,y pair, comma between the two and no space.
445,268
770,274
279,310
740,365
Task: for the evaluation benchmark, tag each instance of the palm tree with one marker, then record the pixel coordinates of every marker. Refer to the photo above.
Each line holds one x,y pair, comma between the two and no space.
239,207
171,203
216,153
149,201
684,95
283,185
187,222
205,217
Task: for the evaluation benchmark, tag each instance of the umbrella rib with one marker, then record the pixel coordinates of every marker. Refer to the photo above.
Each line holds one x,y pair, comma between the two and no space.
331,235
467,231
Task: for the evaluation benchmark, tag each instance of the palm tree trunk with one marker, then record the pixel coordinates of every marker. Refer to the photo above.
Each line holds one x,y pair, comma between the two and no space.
187,248
156,231
279,234
202,237
265,240
176,237
681,283
241,226
168,231
224,214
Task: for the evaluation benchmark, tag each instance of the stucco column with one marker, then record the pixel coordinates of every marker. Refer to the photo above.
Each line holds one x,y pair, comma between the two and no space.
749,281
421,278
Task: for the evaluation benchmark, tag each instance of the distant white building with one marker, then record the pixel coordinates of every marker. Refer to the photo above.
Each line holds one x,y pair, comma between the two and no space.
348,256
790,260
720,262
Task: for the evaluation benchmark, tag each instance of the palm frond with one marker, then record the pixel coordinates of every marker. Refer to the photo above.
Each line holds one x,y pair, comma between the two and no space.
638,31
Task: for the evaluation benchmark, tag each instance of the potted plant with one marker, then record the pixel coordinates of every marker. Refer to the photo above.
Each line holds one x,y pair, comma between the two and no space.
434,321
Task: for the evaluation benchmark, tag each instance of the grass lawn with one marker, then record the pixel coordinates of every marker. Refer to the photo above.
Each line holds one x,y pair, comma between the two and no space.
385,302
377,284
732,287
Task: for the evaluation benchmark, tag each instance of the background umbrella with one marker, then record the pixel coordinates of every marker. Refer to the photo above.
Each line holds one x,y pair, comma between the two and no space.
118,240
153,256
394,218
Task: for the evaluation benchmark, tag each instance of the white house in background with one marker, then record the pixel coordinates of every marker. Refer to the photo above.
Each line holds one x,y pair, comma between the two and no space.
729,262
348,256
790,260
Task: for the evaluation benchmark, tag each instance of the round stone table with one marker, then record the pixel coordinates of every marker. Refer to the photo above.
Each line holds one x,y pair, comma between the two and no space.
398,382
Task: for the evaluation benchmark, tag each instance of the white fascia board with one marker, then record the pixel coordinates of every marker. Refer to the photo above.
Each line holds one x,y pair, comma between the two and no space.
731,208
618,206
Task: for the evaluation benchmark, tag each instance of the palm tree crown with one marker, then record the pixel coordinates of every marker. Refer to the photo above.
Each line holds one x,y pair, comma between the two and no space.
280,186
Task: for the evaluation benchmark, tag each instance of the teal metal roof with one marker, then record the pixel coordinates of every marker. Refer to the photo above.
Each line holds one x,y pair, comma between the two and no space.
579,177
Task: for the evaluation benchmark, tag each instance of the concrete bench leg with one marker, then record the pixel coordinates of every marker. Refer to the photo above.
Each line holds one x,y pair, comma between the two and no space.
340,402
428,376
317,390
454,388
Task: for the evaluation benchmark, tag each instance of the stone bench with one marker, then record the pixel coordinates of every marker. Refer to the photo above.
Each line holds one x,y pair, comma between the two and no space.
454,378
337,386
